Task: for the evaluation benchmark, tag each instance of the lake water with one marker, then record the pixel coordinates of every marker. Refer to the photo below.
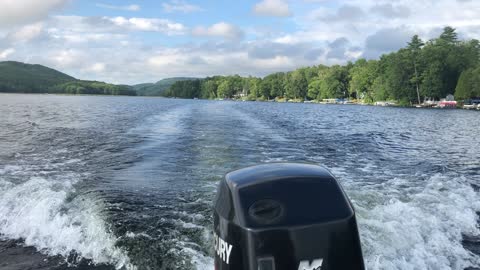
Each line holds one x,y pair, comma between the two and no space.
128,182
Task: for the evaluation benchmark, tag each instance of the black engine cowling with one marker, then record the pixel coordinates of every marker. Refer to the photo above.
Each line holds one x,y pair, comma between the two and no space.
284,216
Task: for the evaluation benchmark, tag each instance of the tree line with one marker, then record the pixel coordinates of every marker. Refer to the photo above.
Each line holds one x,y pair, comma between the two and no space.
419,71
79,87
76,87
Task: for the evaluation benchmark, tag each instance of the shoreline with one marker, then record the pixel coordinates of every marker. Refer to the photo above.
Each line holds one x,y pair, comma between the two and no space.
244,100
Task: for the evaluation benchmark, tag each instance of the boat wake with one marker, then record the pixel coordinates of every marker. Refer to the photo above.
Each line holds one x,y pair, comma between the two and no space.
405,226
46,212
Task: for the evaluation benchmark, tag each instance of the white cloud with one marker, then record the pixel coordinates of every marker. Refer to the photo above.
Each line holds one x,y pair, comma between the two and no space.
276,8
391,11
221,29
89,38
97,67
26,33
172,62
353,53
15,12
5,53
180,6
147,24
126,8
116,24
68,58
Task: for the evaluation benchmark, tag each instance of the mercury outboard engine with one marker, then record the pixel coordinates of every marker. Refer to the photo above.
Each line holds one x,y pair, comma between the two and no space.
284,217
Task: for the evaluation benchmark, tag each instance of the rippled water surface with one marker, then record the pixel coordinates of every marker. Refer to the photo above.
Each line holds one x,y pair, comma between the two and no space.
125,182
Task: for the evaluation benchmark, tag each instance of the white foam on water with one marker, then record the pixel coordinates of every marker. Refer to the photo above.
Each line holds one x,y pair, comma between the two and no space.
38,212
200,261
135,235
195,217
9,169
187,225
420,227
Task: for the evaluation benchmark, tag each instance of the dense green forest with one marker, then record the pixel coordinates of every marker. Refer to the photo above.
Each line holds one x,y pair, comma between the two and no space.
16,77
158,88
421,70
92,88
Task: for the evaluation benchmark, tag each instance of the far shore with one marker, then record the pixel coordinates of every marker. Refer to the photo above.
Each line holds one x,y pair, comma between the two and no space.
298,101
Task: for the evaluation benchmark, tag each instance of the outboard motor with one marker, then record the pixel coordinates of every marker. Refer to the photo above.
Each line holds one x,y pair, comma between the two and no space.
284,217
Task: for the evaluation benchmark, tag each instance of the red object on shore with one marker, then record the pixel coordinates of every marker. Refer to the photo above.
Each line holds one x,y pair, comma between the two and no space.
447,104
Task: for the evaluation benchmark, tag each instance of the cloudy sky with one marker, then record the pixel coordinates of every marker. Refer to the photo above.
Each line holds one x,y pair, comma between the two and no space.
131,42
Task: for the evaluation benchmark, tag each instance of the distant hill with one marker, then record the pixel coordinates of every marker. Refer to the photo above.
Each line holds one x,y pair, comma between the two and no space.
159,88
25,78
17,77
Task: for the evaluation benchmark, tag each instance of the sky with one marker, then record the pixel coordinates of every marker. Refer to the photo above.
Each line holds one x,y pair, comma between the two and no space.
129,42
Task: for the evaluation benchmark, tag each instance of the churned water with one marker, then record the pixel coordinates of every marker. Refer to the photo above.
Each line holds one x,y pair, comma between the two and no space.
128,183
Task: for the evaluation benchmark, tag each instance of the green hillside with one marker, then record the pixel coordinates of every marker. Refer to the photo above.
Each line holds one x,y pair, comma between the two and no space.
79,87
16,77
159,88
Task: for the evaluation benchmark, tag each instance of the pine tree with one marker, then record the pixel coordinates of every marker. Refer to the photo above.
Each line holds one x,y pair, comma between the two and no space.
449,35
464,86
415,46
